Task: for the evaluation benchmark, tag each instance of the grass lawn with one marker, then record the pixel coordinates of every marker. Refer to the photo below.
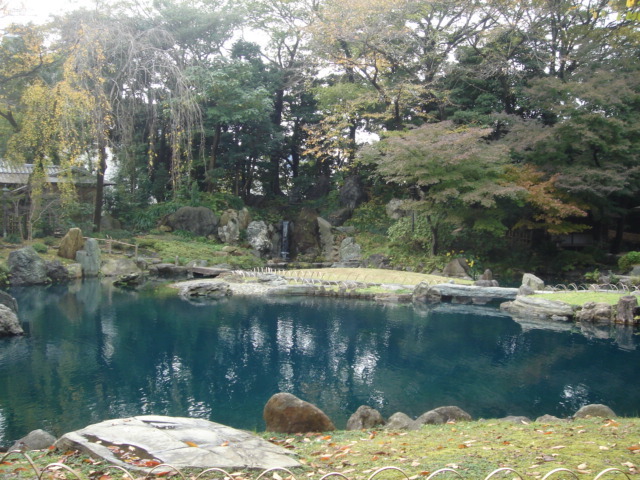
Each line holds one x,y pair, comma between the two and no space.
582,297
471,449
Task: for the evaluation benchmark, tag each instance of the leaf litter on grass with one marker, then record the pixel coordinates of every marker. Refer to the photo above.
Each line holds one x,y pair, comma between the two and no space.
472,449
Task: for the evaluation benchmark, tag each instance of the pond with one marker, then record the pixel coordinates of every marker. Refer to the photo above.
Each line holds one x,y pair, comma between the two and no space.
94,352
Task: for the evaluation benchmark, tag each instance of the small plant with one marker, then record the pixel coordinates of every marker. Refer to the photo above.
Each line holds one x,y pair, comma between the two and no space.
592,276
627,261
4,275
40,247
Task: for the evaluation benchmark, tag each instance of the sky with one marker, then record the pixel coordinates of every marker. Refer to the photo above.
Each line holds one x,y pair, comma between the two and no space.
38,11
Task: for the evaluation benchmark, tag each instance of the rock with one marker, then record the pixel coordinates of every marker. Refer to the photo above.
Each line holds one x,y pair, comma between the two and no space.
377,260
27,268
486,275
325,237
595,313
457,268
229,227
441,415
205,289
625,312
108,223
9,323
525,290
365,417
168,271
200,221
71,243
8,301
339,216
35,440
286,413
399,421
352,192
244,219
538,307
533,282
74,270
304,238
423,292
89,258
180,442
350,252
549,419
486,283
595,410
519,420
114,267
435,293
395,209
130,280
197,263
258,238
57,272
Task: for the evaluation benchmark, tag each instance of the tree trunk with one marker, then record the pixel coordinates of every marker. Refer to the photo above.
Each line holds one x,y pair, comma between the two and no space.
102,168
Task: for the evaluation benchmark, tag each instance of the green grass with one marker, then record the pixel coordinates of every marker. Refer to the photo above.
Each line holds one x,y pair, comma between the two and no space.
473,449
580,298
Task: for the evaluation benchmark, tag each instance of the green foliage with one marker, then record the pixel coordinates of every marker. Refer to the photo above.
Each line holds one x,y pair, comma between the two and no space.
370,217
592,276
4,275
13,238
628,260
40,247
412,231
221,201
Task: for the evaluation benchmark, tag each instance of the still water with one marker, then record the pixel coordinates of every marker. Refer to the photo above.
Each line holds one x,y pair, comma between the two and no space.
95,352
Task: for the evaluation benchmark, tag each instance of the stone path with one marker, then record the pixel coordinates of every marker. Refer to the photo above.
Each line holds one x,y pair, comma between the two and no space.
144,442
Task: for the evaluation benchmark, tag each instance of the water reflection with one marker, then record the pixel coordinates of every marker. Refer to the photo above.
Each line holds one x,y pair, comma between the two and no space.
95,353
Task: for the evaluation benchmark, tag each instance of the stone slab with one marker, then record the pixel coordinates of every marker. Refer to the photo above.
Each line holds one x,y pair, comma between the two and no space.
143,442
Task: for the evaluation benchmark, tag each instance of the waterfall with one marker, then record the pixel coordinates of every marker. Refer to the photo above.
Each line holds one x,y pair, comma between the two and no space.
284,252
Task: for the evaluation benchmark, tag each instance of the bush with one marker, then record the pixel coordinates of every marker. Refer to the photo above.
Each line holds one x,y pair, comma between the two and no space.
4,275
627,261
40,247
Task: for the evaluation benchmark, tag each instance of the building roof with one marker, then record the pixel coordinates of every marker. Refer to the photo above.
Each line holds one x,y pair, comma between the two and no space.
11,174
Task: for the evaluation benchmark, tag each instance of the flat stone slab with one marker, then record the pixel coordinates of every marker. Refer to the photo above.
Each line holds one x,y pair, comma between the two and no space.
144,442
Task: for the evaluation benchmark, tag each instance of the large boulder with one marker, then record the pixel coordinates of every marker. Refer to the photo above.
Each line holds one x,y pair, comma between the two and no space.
595,312
114,267
350,252
625,311
395,209
8,301
35,440
57,272
365,417
457,268
352,192
595,410
305,239
231,223
258,237
533,282
27,268
9,323
89,258
71,243
286,413
325,235
399,421
441,415
205,289
527,306
197,220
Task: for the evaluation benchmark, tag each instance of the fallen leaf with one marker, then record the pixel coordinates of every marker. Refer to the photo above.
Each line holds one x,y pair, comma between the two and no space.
582,466
634,448
628,465
426,473
462,445
327,437
191,444
558,447
602,447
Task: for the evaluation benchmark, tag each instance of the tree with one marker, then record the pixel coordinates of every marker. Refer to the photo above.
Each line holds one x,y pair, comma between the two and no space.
455,172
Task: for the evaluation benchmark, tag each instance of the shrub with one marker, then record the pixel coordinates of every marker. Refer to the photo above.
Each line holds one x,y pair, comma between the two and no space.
4,275
40,247
627,261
